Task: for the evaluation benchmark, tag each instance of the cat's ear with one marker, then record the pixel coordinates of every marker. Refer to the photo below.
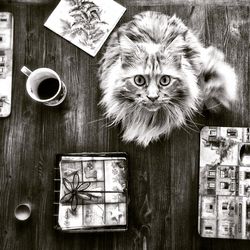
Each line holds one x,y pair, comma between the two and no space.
173,49
126,44
175,36
174,44
219,81
129,49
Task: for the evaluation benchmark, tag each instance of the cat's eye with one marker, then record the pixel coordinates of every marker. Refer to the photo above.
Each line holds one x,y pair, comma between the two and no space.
165,80
139,80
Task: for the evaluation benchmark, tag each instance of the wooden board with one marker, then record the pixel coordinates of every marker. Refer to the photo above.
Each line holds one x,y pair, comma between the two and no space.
163,178
152,2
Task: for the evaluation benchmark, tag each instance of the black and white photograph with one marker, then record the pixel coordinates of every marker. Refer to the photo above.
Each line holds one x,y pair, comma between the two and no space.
125,124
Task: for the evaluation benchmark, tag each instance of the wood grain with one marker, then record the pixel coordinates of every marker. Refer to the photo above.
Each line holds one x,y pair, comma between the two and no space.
163,178
154,2
190,2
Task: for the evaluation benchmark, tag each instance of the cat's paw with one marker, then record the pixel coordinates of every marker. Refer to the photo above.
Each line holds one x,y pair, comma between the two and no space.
219,81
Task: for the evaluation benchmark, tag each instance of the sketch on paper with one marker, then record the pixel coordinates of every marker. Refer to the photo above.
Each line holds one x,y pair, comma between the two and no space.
86,24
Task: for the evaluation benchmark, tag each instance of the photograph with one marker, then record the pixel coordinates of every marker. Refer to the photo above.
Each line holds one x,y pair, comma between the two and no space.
125,124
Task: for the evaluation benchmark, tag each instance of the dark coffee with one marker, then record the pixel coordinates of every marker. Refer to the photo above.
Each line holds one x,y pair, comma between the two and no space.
48,88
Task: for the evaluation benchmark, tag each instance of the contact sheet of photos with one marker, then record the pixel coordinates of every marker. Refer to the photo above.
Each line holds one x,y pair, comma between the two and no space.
92,192
224,190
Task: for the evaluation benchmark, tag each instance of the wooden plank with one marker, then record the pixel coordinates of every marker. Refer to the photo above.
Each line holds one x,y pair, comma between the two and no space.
190,2
154,2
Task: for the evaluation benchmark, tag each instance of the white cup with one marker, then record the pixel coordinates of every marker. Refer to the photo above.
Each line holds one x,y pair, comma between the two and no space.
45,86
22,211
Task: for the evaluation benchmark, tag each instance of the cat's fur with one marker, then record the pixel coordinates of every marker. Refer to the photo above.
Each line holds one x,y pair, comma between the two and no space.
155,46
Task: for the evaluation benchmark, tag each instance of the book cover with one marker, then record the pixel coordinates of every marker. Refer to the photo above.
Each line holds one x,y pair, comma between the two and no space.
92,192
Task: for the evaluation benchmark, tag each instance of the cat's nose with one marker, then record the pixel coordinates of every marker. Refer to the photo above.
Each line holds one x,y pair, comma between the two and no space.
153,98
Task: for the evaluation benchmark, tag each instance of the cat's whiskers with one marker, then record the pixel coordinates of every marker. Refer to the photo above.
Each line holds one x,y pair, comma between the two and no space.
173,115
181,125
192,126
198,112
215,106
197,123
97,120
185,124
184,128
189,118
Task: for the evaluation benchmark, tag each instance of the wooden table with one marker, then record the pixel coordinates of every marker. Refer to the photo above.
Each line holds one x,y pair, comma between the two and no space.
163,178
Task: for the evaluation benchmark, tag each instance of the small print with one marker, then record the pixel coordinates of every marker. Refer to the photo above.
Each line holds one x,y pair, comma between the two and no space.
86,24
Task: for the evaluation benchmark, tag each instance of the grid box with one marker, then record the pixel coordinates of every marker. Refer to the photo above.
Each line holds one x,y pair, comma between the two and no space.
91,192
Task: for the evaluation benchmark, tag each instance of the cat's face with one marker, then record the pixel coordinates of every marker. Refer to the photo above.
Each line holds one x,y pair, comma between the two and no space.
149,91
154,83
153,79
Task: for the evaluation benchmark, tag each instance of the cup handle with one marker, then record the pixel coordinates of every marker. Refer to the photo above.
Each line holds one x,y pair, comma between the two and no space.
26,71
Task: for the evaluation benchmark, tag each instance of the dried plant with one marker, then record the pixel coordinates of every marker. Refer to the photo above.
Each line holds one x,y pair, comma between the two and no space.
87,25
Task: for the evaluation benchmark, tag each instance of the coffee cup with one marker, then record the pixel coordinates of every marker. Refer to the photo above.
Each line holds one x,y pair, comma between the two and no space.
45,86
22,211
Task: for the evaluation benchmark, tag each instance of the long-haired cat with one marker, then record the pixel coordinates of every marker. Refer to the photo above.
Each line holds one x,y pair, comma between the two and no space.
155,74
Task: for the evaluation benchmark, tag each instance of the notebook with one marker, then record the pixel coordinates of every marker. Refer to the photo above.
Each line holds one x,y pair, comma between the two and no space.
91,192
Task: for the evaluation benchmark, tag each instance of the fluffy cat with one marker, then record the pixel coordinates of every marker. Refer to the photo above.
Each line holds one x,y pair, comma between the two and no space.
155,74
